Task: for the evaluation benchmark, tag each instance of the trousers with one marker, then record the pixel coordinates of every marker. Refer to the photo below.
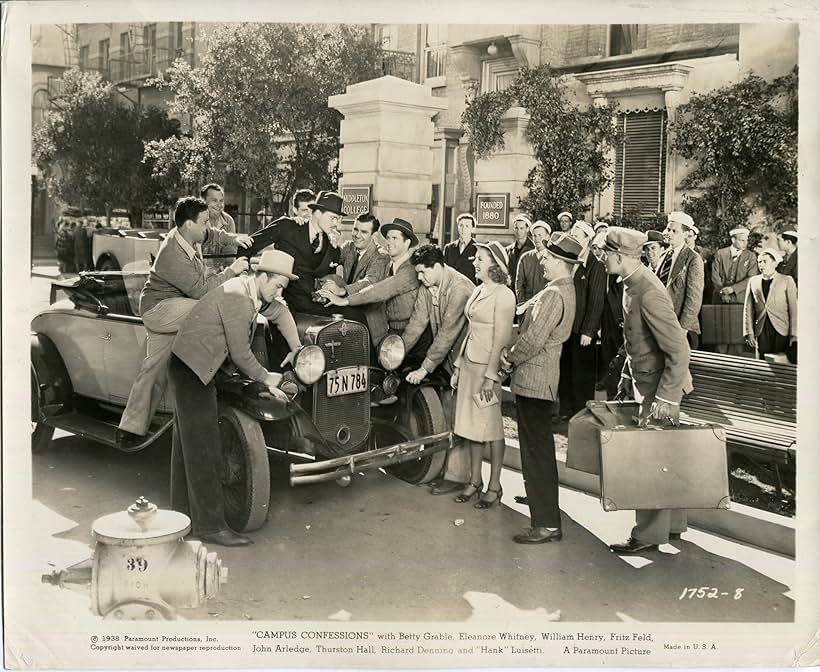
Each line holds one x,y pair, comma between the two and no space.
196,453
578,368
538,462
161,323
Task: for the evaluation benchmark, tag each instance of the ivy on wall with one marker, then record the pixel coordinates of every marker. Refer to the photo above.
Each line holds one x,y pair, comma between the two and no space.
571,145
742,140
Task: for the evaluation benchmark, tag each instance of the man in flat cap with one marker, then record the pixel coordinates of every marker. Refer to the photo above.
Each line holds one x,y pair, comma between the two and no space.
787,241
681,272
657,364
521,243
578,356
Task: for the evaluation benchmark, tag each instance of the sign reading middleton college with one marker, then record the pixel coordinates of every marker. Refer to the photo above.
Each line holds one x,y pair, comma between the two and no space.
356,199
492,210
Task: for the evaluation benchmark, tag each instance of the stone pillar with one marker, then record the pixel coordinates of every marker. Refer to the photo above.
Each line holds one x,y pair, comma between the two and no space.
671,98
606,199
387,142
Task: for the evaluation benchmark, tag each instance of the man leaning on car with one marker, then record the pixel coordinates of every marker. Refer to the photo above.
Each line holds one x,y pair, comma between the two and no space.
176,280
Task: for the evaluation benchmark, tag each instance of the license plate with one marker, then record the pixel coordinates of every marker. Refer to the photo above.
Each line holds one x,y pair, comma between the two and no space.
349,380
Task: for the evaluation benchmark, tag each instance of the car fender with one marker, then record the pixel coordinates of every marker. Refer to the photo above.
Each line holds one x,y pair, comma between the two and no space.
50,375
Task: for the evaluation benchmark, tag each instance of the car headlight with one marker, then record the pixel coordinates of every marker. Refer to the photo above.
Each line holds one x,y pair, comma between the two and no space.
391,352
309,364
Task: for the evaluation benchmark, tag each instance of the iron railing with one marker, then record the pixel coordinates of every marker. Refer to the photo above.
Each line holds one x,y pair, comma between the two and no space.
400,64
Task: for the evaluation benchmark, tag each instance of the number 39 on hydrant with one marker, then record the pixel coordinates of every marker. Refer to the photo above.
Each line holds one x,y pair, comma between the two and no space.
142,568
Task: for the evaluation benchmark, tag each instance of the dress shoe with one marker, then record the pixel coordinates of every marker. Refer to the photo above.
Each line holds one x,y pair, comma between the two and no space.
521,499
472,490
632,545
445,487
126,439
674,536
538,535
225,538
484,503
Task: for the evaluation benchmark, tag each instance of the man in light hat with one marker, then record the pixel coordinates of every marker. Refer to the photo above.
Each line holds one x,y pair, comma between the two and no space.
535,357
521,243
732,268
578,356
565,220
217,328
460,254
654,341
682,273
529,276
787,242
394,297
175,282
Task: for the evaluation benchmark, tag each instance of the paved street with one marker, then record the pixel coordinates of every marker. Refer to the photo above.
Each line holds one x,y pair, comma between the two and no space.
386,550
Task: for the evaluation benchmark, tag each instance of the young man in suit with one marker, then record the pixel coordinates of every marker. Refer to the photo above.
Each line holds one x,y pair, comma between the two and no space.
535,358
394,297
521,243
439,310
731,269
578,356
529,277
787,241
309,245
219,326
657,366
681,272
460,254
176,280
361,261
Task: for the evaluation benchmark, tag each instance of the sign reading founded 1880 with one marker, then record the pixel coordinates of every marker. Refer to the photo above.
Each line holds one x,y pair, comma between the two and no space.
356,201
492,210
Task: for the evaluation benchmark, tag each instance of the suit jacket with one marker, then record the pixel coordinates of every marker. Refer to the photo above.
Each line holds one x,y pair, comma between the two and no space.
685,288
372,266
461,261
780,306
490,314
789,267
514,253
397,293
536,354
529,277
590,281
657,352
219,325
727,274
294,238
447,320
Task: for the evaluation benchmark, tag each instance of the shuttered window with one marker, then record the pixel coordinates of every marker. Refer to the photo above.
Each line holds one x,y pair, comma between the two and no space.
640,164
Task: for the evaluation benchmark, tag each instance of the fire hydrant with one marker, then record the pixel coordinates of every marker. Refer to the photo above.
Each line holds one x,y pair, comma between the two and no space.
141,567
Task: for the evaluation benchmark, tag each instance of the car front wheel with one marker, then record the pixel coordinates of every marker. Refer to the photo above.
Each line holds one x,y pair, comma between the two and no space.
245,470
41,434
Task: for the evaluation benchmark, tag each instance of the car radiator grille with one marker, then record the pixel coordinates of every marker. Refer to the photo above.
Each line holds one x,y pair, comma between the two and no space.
347,416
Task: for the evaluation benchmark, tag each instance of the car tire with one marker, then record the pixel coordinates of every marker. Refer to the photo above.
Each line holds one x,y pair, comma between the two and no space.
41,434
245,470
425,417
109,263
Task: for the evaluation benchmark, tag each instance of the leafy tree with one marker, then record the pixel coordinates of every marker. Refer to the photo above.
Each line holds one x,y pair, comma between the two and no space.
743,140
571,145
259,105
91,149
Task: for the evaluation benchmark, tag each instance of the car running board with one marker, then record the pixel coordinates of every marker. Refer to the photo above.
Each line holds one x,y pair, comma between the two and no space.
104,432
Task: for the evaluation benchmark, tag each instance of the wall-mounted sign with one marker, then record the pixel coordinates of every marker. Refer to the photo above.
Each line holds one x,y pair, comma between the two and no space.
492,210
357,199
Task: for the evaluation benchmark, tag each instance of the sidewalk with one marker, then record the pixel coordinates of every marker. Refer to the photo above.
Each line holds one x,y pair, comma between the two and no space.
46,268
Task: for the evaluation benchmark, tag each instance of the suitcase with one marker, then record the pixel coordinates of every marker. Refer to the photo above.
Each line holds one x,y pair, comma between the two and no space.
584,438
722,324
664,468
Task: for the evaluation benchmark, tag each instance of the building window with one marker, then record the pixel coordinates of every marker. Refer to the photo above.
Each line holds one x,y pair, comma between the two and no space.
498,73
624,38
640,164
103,51
435,51
125,45
84,57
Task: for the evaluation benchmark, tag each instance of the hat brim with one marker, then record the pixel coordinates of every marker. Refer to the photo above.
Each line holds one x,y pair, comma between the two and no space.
398,227
662,243
317,206
257,268
556,253
505,265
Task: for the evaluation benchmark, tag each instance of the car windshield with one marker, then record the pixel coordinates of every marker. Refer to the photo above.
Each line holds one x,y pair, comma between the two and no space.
118,291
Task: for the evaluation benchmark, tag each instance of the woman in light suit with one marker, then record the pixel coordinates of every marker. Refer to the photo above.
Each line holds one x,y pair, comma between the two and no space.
476,379
770,310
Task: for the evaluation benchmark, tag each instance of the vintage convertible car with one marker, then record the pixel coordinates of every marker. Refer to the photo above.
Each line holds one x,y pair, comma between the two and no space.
344,414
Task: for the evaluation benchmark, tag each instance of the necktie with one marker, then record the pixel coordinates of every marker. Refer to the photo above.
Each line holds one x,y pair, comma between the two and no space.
314,244
353,268
665,267
390,273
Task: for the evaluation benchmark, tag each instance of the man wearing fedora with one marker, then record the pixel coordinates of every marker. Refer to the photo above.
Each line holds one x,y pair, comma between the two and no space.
392,299
220,326
682,273
657,365
460,254
535,357
654,249
175,282
579,354
313,255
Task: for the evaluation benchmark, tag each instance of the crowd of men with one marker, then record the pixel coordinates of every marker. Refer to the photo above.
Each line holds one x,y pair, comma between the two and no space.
597,307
